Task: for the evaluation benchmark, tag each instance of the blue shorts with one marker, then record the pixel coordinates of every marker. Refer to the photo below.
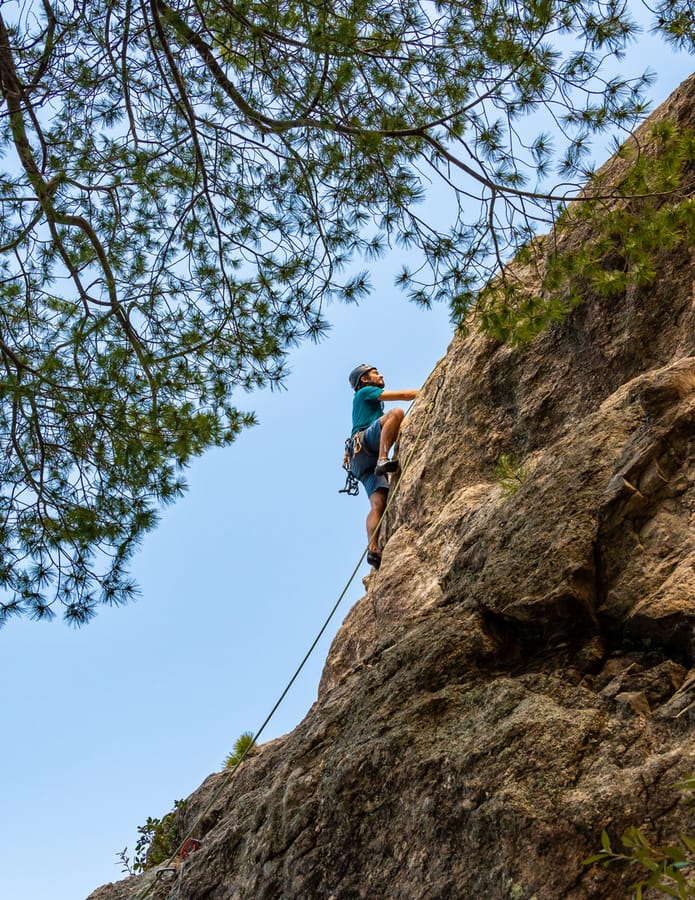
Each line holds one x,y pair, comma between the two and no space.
363,463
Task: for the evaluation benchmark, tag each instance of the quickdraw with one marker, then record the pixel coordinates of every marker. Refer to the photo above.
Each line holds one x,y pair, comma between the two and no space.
189,846
352,445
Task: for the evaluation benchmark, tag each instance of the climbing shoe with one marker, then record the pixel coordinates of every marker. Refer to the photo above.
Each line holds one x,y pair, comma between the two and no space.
374,558
384,466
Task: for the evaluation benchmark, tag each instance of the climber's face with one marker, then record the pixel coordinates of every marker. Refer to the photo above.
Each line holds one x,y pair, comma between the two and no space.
373,376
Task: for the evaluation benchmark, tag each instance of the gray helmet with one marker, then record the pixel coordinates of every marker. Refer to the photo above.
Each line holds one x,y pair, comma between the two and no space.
356,375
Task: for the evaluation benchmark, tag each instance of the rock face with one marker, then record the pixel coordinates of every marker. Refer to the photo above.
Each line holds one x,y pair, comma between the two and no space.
520,672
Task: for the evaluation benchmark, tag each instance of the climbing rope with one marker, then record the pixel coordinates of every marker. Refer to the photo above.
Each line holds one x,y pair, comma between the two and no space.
232,772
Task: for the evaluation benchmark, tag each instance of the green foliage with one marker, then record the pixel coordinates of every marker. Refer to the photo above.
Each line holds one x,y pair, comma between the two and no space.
688,784
650,217
243,747
510,475
674,19
158,841
625,227
669,869
184,186
510,314
126,868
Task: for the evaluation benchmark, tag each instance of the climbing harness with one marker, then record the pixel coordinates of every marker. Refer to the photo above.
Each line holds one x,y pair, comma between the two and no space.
233,771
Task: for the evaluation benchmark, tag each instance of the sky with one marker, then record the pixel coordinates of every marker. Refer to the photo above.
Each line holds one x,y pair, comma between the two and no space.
111,723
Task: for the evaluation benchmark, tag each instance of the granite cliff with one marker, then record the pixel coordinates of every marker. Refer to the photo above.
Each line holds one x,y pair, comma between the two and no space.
521,672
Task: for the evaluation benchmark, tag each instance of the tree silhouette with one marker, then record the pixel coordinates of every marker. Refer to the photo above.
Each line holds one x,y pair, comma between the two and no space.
187,184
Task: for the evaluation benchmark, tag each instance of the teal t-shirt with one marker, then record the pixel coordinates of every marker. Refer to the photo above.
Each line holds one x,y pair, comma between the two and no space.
366,407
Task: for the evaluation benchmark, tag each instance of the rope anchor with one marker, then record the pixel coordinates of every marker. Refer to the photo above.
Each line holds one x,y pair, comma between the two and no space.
189,846
169,871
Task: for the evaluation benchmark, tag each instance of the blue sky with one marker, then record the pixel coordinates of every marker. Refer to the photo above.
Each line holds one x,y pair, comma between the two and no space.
110,724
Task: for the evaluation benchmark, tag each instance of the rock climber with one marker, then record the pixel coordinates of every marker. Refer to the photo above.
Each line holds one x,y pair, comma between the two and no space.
374,433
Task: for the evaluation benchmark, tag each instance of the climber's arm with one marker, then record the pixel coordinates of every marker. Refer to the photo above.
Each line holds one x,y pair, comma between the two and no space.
398,395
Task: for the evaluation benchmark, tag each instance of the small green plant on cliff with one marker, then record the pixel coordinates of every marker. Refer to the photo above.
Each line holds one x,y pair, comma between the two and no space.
625,227
669,868
124,859
242,747
158,839
509,475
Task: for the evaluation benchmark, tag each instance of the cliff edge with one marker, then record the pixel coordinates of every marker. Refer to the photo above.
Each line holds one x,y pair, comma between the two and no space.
521,672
